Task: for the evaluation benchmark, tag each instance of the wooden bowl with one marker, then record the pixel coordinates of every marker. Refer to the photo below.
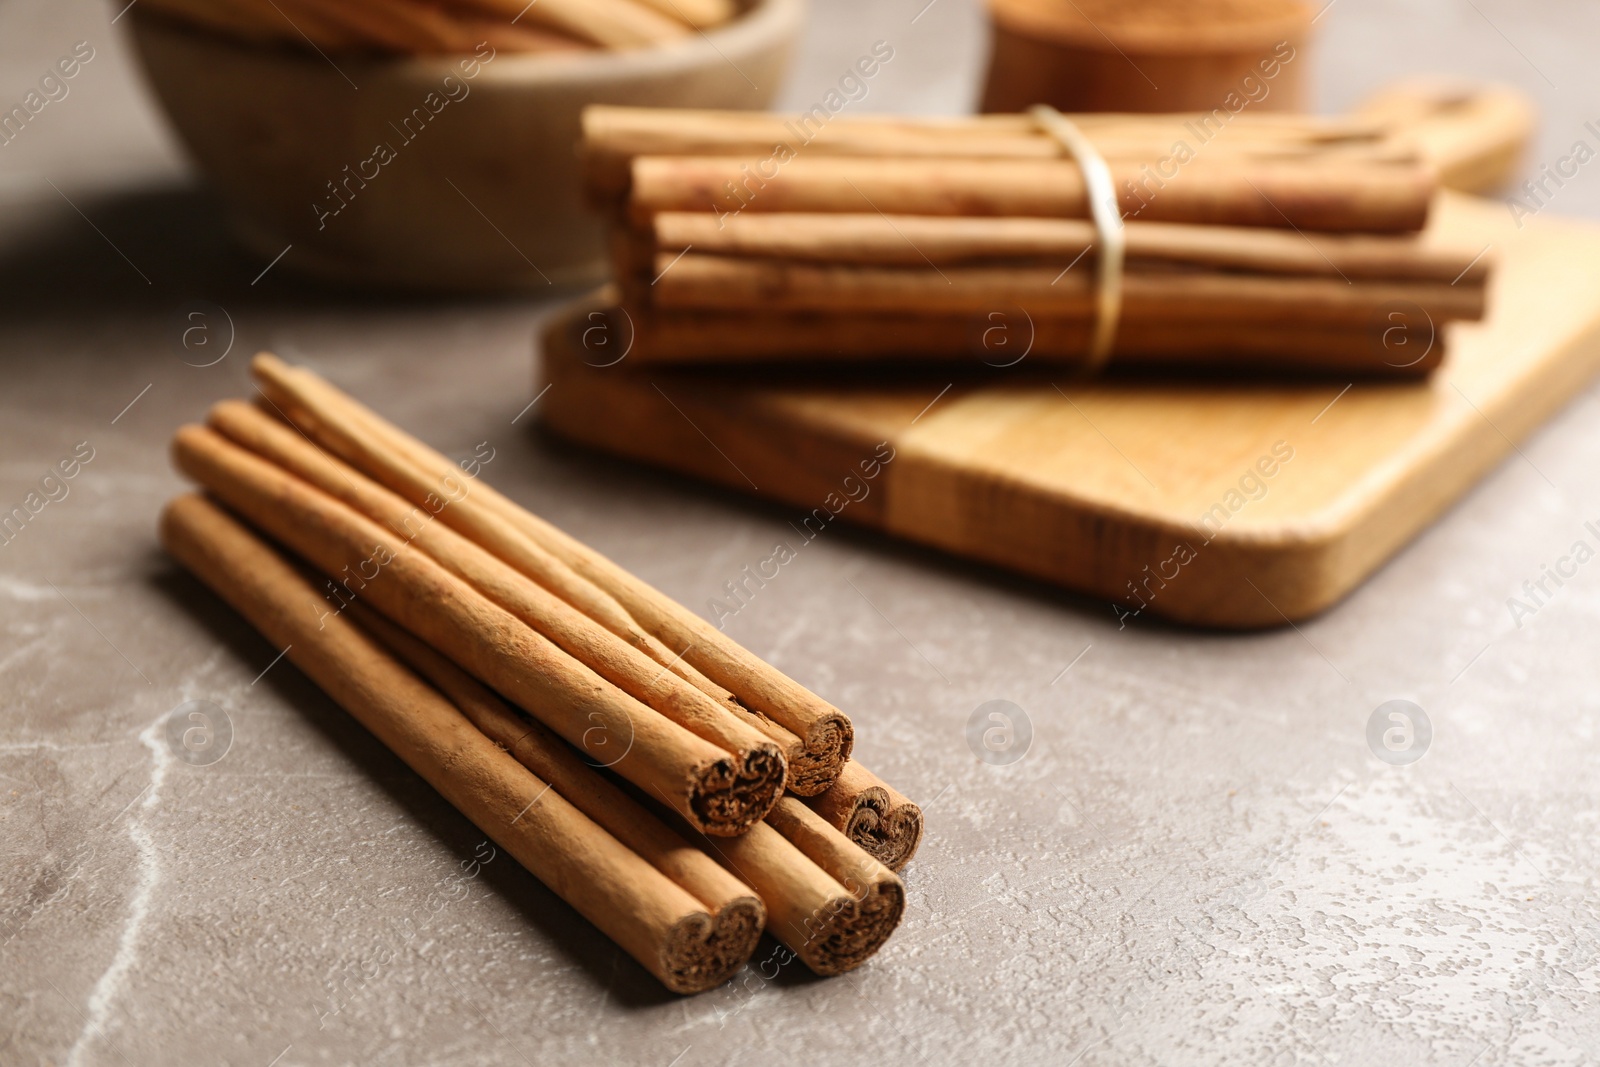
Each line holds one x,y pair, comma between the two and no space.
1140,58
482,193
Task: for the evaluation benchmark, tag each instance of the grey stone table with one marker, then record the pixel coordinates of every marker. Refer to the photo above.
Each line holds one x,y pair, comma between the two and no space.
1198,859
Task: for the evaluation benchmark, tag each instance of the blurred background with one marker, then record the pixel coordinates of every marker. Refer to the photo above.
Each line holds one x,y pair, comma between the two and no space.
1179,781
110,136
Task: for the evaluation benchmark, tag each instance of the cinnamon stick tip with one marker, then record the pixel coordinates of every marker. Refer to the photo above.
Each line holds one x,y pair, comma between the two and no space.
703,951
189,437
731,794
828,744
174,515
857,929
264,362
889,834
226,411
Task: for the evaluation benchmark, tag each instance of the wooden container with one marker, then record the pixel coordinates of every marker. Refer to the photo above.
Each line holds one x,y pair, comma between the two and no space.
1148,55
482,194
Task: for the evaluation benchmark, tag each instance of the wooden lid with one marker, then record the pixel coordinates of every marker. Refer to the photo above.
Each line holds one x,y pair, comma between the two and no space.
1157,26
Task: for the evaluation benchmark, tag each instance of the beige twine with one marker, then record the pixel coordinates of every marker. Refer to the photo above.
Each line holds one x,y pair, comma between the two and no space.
1101,191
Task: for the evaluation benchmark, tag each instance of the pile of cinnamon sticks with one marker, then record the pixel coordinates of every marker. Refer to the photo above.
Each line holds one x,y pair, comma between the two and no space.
448,27
1251,239
676,790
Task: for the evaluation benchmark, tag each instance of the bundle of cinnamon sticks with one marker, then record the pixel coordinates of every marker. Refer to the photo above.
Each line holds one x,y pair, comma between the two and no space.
447,27
678,791
1251,239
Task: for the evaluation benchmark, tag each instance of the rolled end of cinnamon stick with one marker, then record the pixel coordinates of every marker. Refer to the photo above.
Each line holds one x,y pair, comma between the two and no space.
871,813
827,744
732,794
857,927
850,928
703,951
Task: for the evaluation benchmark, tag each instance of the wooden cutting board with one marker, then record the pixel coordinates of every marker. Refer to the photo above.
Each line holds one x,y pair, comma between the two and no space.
1228,504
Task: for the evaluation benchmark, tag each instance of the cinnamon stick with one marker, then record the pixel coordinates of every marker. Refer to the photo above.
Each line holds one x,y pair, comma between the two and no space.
614,136
1372,197
1006,335
873,814
659,923
704,783
390,25
575,633
259,21
405,26
521,39
417,27
608,23
695,282
699,14
824,732
920,240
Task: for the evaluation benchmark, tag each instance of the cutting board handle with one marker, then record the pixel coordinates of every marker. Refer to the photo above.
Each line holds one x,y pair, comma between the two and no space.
1475,133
